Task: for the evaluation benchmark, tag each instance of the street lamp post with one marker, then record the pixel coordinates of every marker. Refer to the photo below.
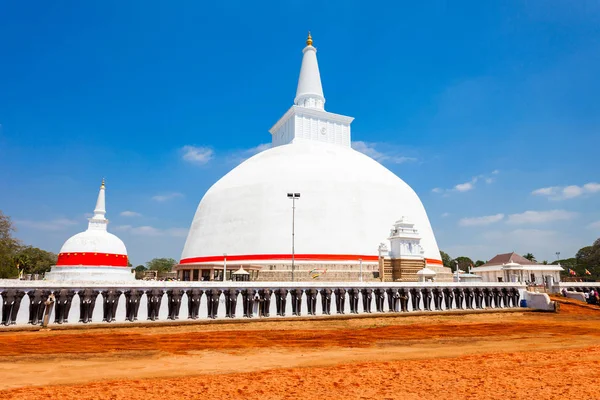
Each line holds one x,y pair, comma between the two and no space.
293,196
360,267
224,267
557,255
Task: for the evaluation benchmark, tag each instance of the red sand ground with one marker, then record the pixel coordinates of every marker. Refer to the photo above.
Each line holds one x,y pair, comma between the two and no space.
483,356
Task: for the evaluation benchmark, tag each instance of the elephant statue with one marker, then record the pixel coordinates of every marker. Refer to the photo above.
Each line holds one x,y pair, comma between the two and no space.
11,302
468,292
497,297
63,300
340,300
478,294
515,295
194,295
458,297
415,295
248,301
391,299
296,295
174,297
379,299
37,298
426,299
326,301
212,302
280,301
154,298
265,302
231,296
87,303
437,298
133,298
487,297
353,294
504,296
448,297
311,301
110,302
367,295
403,296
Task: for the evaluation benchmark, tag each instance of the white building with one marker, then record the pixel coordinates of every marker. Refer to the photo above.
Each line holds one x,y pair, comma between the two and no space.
511,267
93,255
346,203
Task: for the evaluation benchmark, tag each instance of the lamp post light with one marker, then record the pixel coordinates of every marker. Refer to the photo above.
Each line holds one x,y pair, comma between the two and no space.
557,255
360,268
293,196
224,267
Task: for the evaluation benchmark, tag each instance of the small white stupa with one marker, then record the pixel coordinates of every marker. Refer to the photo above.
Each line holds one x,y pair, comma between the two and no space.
93,255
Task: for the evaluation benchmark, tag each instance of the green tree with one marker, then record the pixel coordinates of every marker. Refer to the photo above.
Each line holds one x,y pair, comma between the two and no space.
9,246
479,263
446,260
139,271
32,260
530,257
161,264
464,263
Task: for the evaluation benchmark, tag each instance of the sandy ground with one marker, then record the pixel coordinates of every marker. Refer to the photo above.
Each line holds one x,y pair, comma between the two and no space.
483,356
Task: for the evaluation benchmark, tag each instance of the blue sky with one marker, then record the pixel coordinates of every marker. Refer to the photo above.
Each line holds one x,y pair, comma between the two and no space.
476,105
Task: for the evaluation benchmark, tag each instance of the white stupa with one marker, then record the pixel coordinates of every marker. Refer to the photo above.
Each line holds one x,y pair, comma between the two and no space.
347,200
93,255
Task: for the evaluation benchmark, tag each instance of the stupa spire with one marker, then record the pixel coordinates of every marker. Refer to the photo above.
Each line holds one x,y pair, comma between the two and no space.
310,91
99,221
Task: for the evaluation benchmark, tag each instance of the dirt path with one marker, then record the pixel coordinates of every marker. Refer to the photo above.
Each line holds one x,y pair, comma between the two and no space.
494,355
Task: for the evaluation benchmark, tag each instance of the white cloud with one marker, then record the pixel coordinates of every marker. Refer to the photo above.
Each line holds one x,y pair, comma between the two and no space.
147,230
197,155
594,225
444,215
464,187
57,224
467,186
567,192
540,217
166,197
481,221
130,214
369,149
241,155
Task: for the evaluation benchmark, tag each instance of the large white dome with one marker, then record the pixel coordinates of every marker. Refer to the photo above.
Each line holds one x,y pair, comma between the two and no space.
348,204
